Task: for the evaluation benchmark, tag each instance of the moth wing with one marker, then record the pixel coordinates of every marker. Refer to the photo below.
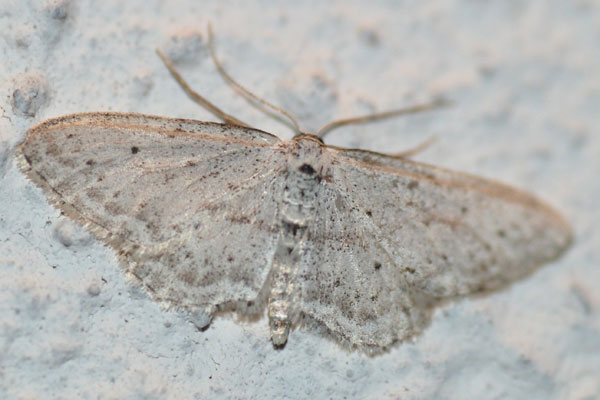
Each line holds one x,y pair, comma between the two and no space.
189,206
347,284
405,235
464,233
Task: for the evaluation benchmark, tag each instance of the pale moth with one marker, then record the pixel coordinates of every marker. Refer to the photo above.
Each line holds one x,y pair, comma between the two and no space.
213,217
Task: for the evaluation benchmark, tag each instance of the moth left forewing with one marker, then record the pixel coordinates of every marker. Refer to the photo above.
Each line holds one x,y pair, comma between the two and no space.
451,233
190,207
129,173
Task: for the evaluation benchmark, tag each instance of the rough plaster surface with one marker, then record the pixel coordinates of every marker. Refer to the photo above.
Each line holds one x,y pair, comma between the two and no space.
525,78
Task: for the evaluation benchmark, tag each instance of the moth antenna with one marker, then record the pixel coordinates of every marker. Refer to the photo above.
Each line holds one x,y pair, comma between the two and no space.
256,101
415,150
195,96
325,129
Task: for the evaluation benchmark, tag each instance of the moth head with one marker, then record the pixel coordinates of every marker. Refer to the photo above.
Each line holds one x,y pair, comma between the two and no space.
309,156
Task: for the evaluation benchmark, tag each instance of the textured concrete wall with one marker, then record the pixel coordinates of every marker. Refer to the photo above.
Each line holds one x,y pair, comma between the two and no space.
525,79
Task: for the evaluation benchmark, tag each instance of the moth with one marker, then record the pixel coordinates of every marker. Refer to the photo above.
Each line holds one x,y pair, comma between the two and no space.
212,217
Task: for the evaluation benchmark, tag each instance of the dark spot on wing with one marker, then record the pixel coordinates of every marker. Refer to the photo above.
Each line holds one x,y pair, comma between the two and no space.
189,277
114,208
369,213
239,219
377,265
95,194
134,149
90,162
412,184
307,169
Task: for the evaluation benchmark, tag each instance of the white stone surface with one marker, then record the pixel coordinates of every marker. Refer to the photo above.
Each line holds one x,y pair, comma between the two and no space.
525,78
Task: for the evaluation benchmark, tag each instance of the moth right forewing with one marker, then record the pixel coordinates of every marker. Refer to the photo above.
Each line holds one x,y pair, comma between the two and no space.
446,177
451,233
349,280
